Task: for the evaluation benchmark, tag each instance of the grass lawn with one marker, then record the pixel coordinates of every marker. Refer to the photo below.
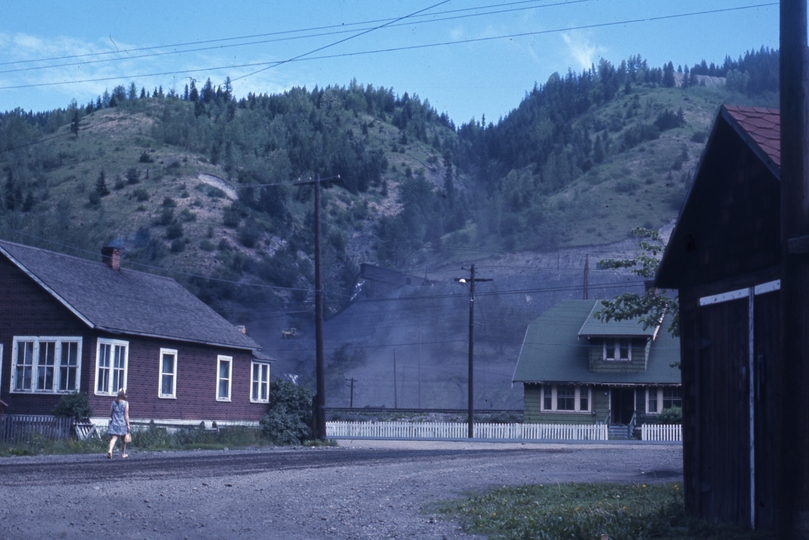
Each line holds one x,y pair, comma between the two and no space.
587,512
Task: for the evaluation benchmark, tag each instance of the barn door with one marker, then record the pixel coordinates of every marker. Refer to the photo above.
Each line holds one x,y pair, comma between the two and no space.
723,411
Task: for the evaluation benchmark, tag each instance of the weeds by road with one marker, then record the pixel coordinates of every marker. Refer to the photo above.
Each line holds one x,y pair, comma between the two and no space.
587,511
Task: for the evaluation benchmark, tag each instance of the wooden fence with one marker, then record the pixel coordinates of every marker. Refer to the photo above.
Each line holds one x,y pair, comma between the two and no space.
20,427
661,432
460,430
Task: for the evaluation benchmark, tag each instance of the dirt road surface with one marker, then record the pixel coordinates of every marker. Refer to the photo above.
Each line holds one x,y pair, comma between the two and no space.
359,490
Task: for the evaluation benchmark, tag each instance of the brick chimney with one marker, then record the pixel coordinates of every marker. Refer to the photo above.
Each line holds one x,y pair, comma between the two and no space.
111,256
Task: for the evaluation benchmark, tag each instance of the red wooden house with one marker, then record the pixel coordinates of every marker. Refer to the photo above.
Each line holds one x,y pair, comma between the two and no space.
724,257
69,324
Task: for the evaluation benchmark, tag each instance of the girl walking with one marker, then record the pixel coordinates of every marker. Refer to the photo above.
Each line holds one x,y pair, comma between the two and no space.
119,423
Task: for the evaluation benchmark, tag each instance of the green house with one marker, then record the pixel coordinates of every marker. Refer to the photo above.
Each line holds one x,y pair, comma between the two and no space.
576,369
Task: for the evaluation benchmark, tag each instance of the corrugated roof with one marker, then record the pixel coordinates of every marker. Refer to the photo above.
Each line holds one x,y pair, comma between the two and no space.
629,327
761,126
125,301
553,352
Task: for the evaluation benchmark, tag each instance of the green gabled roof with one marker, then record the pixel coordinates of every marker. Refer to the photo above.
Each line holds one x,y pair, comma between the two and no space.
553,352
628,328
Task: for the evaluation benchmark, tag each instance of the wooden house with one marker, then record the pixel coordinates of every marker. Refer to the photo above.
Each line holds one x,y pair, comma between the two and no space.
724,258
70,324
576,369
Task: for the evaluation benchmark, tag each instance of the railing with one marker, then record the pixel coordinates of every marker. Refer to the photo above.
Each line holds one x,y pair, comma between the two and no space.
459,430
661,432
631,427
20,427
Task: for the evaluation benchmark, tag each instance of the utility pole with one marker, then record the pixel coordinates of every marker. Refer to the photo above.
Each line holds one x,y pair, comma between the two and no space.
352,380
471,384
319,400
792,493
586,276
395,394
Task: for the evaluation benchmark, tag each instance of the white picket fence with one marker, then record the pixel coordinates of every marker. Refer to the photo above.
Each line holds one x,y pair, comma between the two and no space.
661,432
460,430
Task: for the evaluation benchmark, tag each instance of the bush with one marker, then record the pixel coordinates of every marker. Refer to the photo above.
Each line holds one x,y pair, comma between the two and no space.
174,230
73,405
289,418
141,195
672,415
145,157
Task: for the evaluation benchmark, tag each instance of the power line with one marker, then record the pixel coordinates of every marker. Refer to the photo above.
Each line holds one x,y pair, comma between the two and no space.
306,57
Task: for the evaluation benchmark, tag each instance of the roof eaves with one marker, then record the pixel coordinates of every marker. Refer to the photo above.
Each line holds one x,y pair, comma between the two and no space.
174,338
50,291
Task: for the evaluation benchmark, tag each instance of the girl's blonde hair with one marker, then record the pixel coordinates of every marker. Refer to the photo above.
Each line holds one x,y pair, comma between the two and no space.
121,395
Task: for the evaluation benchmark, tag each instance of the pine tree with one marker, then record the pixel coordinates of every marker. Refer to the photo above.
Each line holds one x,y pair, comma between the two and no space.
74,124
101,185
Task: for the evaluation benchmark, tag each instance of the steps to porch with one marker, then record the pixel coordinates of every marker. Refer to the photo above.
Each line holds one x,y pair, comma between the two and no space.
618,432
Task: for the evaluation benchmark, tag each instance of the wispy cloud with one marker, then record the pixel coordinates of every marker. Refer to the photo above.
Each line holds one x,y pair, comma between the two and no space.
581,50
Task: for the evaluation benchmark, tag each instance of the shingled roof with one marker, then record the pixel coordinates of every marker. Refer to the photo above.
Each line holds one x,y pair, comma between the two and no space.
552,351
125,301
760,126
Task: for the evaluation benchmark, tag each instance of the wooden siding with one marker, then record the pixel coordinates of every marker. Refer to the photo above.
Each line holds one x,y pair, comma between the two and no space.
638,363
533,413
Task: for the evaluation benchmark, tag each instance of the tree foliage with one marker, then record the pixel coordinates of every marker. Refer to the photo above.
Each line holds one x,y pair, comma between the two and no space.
648,307
289,418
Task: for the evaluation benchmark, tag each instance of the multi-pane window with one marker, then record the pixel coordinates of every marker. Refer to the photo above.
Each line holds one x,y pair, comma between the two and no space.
661,398
224,366
260,383
617,350
45,364
566,397
168,373
111,363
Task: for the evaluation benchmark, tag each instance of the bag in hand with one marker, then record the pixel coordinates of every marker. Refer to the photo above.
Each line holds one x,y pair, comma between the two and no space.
128,438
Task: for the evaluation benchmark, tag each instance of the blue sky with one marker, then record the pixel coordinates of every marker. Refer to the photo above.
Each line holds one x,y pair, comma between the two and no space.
468,58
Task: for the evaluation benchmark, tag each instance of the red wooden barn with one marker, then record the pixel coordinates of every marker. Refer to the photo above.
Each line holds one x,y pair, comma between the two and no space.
724,257
69,324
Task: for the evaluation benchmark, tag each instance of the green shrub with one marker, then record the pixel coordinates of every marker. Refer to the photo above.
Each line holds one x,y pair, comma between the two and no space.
141,195
73,405
672,415
289,418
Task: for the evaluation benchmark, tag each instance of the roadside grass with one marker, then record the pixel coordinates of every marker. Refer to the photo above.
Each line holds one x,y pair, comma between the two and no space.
586,512
151,438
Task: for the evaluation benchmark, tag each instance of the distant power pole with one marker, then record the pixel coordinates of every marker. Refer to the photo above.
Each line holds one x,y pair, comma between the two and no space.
471,385
319,401
792,492
351,381
395,394
586,276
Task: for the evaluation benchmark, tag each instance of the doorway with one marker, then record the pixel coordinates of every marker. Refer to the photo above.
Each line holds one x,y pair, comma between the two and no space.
622,405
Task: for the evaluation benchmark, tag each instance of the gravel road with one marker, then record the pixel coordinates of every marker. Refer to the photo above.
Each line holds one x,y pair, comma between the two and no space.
359,490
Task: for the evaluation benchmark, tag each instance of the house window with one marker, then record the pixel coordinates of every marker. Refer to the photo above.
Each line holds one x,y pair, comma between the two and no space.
223,373
260,383
111,362
45,365
566,397
617,350
661,398
168,373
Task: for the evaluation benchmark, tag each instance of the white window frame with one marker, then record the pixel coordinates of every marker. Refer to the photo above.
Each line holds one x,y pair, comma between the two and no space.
658,390
219,359
256,385
616,349
113,343
57,342
576,399
161,374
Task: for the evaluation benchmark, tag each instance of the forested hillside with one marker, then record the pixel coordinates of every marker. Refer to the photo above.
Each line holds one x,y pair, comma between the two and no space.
201,185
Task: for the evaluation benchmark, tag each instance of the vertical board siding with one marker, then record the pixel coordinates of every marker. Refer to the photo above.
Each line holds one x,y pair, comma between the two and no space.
459,430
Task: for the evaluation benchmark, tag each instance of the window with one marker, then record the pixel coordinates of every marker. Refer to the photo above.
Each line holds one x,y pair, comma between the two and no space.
260,383
168,374
617,350
111,362
566,397
45,365
223,373
661,398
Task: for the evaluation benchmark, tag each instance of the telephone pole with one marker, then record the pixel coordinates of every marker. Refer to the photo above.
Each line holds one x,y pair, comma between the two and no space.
351,381
792,494
319,400
471,385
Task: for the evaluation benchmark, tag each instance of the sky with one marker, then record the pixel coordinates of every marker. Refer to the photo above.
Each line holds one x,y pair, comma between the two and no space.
470,59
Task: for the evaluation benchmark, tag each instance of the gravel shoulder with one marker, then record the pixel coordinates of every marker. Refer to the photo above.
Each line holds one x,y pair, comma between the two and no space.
362,489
